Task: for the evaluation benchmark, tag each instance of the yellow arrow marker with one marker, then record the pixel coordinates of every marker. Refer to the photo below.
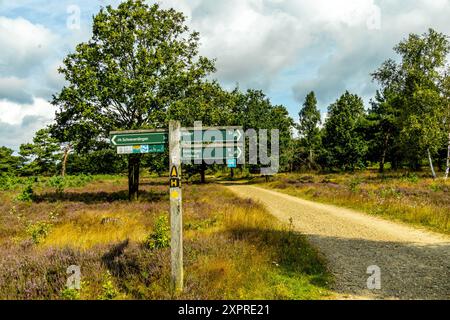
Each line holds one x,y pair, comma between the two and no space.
174,172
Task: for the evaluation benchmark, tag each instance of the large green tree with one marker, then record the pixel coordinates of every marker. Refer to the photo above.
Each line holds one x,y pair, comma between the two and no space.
140,60
308,127
206,102
343,141
414,88
253,110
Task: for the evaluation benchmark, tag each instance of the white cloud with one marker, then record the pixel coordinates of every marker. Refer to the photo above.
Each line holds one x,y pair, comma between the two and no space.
14,113
24,45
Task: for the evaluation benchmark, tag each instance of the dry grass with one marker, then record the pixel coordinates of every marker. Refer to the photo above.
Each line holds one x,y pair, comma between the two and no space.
410,198
233,248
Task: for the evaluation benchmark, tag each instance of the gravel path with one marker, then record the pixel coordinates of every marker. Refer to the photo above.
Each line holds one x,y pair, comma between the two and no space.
414,264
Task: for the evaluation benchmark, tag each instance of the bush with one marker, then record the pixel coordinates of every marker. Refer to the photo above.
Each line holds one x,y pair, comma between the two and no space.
160,237
38,231
411,177
27,193
8,182
57,182
109,291
70,294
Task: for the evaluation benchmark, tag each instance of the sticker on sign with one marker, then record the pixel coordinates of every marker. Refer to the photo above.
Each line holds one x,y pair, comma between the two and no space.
140,149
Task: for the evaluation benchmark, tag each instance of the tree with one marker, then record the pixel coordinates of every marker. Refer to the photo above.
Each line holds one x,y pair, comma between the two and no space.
445,88
415,84
206,102
8,162
309,125
382,129
253,110
140,60
343,142
42,155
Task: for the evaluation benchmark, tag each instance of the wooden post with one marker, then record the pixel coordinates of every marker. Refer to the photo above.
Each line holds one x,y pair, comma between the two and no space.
176,216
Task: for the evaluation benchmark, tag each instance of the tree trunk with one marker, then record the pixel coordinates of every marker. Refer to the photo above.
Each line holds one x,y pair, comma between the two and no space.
431,164
447,170
202,173
134,162
310,159
383,155
64,162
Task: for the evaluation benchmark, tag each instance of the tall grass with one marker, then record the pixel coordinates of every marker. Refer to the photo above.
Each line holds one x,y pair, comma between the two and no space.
409,198
233,248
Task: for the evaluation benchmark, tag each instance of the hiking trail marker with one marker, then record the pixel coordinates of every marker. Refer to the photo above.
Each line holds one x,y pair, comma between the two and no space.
176,208
185,145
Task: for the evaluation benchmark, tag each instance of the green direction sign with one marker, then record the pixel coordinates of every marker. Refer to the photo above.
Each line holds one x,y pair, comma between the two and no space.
154,148
213,135
211,153
140,138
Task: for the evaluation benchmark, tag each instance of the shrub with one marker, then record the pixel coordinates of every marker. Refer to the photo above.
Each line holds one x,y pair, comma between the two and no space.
70,294
411,177
160,237
354,184
27,193
38,231
109,291
57,182
8,182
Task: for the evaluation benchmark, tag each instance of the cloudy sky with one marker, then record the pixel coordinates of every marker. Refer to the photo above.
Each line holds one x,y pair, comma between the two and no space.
284,47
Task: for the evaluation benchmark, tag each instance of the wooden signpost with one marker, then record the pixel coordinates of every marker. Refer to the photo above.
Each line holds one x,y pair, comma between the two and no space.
176,216
184,144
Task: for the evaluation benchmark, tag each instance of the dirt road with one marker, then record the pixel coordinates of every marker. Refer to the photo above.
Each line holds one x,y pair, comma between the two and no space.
414,264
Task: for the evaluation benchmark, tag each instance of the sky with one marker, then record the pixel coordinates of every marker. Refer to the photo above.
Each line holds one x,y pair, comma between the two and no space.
284,47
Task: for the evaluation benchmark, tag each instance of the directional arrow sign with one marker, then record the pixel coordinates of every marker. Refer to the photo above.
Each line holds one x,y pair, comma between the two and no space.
141,138
213,135
211,153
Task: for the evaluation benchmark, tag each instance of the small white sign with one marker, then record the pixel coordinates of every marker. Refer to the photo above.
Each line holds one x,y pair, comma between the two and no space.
124,149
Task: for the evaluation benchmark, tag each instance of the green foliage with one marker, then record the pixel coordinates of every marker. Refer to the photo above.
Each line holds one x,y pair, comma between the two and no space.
343,142
159,238
308,127
41,155
140,60
57,182
9,182
411,177
27,193
109,291
70,294
38,231
354,184
103,161
411,106
8,162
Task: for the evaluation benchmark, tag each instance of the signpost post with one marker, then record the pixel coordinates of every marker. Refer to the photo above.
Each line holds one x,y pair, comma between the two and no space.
176,220
185,144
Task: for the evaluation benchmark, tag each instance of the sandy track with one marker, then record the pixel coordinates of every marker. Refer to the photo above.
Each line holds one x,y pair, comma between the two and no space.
415,264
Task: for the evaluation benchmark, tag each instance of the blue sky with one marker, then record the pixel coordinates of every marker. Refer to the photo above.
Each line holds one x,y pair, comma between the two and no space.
284,47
